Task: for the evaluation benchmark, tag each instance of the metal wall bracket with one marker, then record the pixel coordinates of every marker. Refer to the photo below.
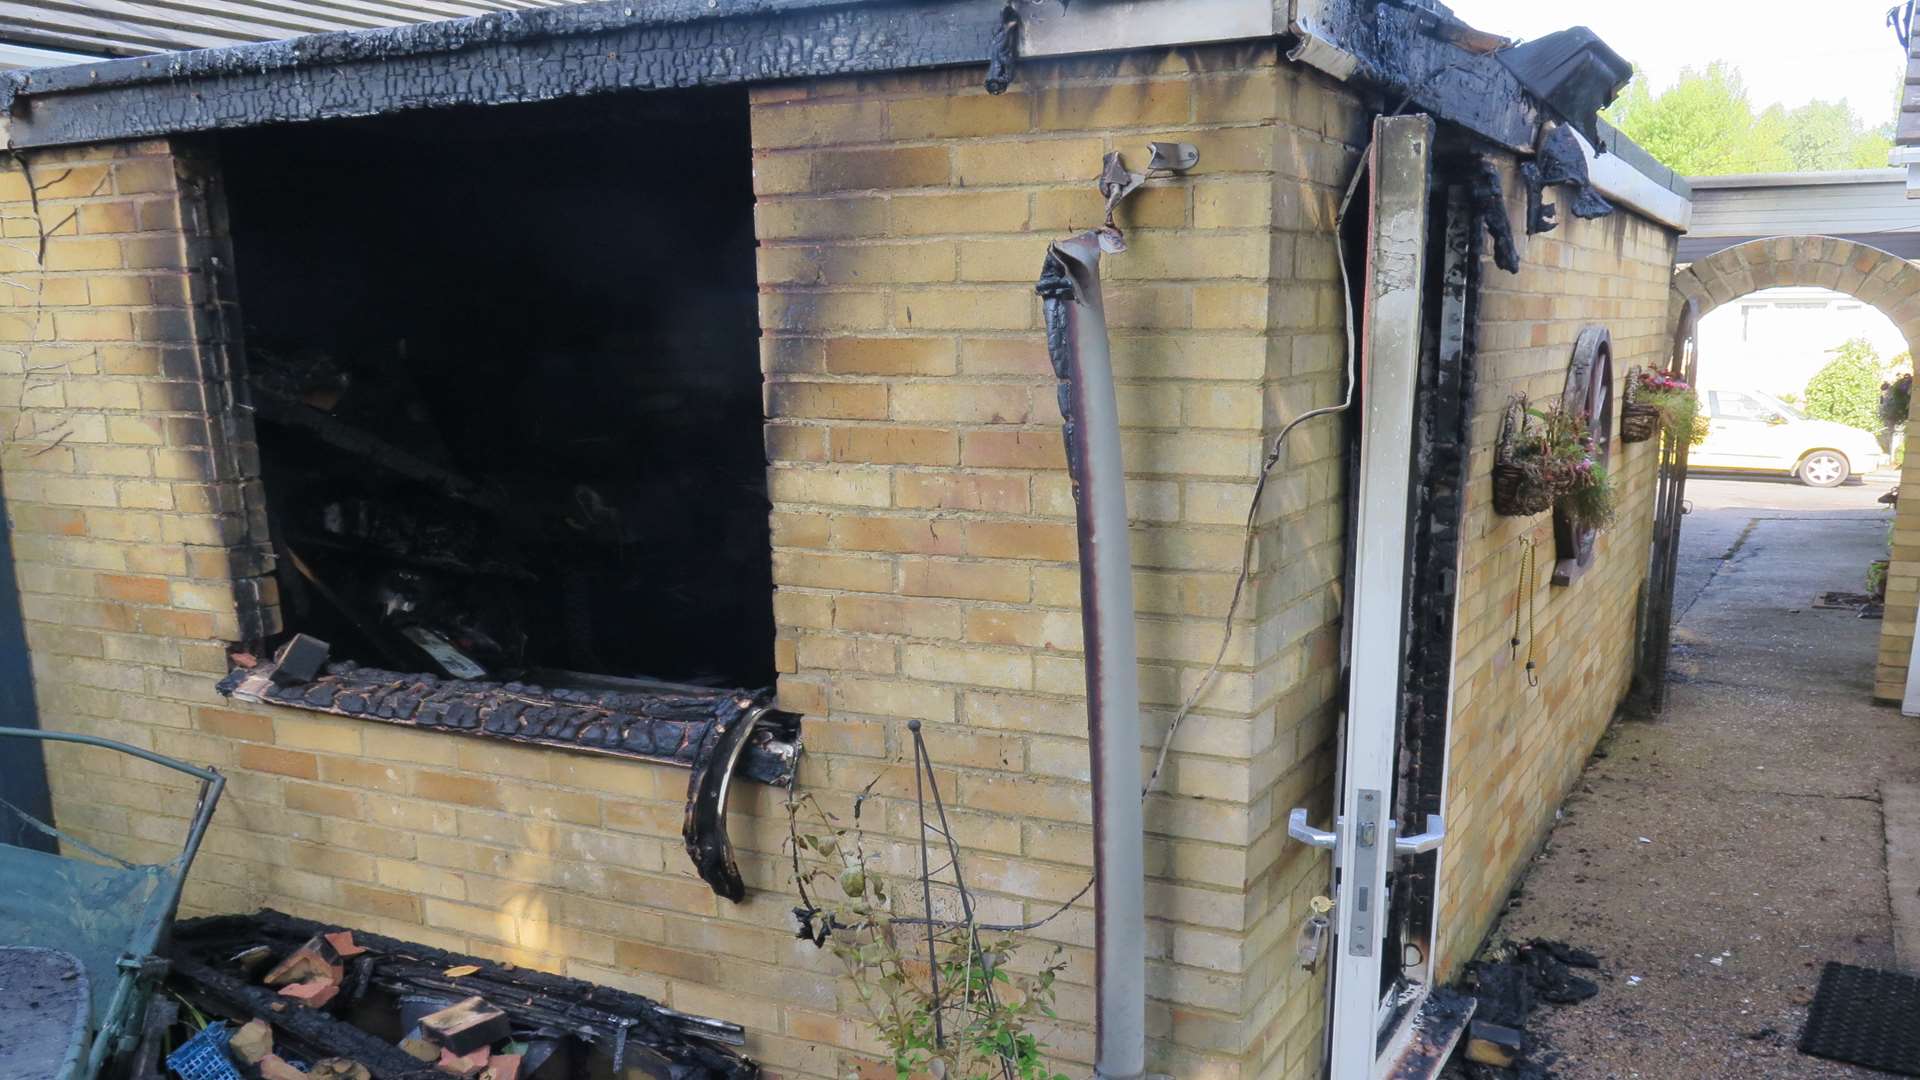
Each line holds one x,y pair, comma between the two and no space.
1116,182
1172,156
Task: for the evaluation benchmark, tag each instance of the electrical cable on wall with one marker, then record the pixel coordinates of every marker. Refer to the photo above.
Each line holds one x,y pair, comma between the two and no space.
1260,485
1523,594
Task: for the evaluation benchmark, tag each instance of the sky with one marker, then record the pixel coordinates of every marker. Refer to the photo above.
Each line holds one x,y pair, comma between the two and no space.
1788,51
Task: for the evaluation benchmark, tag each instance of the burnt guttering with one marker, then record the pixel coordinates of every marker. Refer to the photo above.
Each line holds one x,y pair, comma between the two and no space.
1077,344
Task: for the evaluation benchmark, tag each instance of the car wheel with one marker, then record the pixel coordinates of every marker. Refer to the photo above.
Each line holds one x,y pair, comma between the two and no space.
1824,469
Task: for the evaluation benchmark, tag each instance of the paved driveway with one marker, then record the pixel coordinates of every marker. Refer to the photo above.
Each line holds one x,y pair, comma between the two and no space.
1726,508
1715,857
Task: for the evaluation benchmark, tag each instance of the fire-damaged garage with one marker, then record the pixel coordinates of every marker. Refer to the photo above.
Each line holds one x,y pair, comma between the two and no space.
482,443
505,377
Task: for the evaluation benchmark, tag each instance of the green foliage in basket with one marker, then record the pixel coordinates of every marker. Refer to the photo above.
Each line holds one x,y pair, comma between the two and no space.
1592,497
1678,402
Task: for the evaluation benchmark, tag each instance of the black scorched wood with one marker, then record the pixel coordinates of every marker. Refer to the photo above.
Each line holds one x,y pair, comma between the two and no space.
271,406
312,1031
666,725
672,1044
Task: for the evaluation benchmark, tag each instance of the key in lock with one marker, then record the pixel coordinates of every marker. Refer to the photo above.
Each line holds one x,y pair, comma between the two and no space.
1312,941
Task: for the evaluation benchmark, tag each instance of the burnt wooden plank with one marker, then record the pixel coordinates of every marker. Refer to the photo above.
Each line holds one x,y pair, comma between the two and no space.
679,1044
668,727
311,1030
491,59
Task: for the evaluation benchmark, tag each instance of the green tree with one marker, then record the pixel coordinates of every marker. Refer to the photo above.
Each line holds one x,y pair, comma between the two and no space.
1822,136
1847,390
1704,125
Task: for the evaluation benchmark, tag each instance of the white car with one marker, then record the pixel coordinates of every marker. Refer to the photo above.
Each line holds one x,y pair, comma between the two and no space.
1753,431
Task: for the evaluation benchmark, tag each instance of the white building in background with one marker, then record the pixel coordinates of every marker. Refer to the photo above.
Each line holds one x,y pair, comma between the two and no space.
1776,339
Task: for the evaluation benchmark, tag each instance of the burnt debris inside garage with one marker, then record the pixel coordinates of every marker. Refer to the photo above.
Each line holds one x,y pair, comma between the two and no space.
504,372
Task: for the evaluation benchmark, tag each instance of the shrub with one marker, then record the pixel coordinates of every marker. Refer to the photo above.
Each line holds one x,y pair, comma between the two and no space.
1847,390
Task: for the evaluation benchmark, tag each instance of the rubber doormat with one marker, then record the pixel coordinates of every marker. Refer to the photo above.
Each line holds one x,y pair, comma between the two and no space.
1865,1017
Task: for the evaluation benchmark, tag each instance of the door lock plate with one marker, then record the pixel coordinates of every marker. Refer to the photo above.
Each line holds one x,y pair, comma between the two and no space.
1362,913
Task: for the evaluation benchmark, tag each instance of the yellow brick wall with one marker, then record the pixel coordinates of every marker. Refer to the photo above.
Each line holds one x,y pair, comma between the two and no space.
925,556
924,539
1516,750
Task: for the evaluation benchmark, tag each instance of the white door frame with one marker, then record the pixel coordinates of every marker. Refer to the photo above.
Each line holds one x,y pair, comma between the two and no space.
1390,348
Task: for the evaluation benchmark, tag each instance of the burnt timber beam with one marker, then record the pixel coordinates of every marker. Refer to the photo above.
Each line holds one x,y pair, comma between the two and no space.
311,1029
1410,58
516,56
375,451
669,726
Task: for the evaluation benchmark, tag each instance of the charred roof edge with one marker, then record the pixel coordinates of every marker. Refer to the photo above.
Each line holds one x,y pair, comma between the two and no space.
1417,54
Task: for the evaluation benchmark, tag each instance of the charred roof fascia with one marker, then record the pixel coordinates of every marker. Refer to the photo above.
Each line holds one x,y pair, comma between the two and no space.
1419,56
514,56
1414,52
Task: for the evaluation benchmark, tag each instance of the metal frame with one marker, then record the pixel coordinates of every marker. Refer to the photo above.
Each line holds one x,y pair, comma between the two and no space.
1389,366
1670,490
136,971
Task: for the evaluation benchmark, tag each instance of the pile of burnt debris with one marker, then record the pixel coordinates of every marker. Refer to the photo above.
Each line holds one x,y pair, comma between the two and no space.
1507,986
273,997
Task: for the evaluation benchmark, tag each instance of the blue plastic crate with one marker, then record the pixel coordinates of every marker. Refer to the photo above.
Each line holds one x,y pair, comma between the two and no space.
204,1057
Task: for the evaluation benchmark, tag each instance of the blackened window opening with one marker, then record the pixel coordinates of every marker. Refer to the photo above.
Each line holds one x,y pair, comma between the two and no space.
505,376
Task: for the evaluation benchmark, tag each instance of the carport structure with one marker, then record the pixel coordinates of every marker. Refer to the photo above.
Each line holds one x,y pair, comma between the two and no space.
1891,285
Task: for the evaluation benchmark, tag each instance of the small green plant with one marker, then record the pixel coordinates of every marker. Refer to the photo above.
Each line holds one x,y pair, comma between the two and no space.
1592,499
1877,579
952,1009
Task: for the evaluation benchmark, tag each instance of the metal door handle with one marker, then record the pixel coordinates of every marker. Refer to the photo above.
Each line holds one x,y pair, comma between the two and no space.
1298,828
1419,842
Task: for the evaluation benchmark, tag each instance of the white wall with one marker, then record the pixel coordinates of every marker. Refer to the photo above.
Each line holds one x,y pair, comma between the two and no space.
1774,340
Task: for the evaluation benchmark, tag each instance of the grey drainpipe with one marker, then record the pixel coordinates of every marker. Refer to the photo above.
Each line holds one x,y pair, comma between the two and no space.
1077,344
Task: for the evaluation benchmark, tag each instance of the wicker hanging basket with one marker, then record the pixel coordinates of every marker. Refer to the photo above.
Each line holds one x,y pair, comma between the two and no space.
1639,421
1520,488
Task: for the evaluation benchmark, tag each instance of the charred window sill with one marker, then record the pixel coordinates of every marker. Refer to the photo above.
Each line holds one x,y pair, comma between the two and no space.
669,725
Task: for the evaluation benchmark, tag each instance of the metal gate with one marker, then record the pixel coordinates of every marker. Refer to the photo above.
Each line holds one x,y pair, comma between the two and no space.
1656,609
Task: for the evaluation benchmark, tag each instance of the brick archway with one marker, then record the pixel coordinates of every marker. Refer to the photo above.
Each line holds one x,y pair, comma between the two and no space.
1889,284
